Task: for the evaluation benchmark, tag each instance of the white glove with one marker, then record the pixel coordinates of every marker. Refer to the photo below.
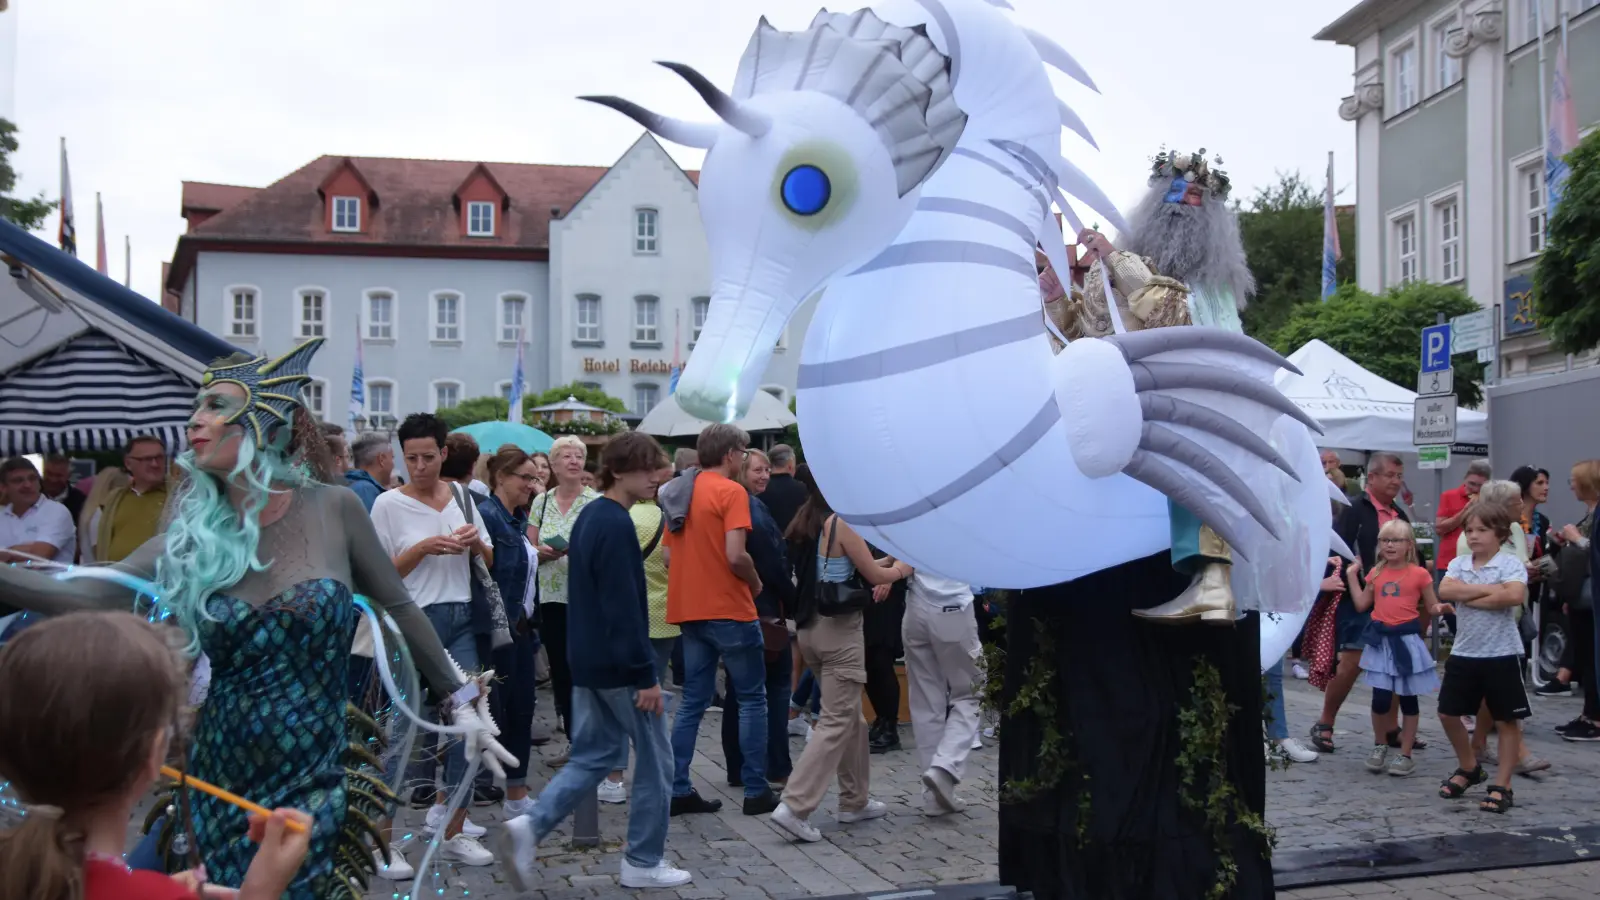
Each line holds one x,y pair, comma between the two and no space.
480,739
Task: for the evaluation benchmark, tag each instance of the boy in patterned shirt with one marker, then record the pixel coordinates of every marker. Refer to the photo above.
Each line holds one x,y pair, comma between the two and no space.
1487,585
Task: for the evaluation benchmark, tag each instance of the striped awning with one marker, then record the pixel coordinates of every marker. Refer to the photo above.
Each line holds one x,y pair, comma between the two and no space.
91,394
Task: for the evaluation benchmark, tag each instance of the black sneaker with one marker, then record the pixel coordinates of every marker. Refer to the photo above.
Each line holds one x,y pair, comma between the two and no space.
691,803
1563,729
487,794
1584,732
422,798
887,740
1553,688
760,806
1417,743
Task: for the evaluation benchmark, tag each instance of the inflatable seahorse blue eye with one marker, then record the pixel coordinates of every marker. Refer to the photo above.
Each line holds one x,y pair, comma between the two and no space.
910,156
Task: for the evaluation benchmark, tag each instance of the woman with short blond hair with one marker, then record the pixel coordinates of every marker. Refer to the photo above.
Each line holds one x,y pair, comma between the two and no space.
550,526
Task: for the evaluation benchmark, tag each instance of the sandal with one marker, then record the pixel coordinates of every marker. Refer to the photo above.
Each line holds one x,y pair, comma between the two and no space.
1417,743
1498,799
1531,764
1449,789
1322,738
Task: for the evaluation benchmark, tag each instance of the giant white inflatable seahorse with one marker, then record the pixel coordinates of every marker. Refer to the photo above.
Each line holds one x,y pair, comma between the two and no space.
905,158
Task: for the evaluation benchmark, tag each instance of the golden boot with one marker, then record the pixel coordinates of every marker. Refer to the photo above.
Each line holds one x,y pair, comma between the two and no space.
1209,598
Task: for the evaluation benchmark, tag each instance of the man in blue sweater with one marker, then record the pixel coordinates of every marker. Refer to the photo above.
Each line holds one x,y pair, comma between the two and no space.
615,697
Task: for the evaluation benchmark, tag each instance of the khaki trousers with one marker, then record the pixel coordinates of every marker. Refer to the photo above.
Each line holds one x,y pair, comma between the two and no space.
942,651
834,649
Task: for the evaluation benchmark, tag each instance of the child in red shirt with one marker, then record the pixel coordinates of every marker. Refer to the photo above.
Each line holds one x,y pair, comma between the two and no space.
1394,659
88,707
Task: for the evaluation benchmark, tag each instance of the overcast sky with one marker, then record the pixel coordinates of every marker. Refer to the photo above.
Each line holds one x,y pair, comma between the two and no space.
153,92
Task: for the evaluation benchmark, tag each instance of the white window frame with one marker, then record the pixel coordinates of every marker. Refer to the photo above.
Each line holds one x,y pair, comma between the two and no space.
367,323
597,335
1518,230
485,206
301,323
646,241
346,208
233,323
1400,102
321,415
394,399
646,332
591,385
1444,70
500,316
433,392
1527,28
502,389
699,314
640,409
433,316
1413,212
1444,269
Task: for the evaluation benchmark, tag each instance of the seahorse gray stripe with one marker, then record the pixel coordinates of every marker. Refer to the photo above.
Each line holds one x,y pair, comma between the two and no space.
974,210
1033,191
866,76
811,52
1020,443
952,40
919,354
1030,160
914,253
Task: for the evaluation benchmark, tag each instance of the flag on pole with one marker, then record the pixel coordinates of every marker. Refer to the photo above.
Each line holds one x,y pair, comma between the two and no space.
100,237
519,383
358,383
67,236
1563,133
677,364
1330,238
127,262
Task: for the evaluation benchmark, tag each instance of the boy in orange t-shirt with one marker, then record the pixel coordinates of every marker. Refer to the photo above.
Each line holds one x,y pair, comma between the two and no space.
711,589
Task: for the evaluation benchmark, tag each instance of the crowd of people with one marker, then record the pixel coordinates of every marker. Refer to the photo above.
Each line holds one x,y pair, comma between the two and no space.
1497,562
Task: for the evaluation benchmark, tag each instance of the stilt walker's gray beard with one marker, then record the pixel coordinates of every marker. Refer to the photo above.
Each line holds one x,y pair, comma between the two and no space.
1194,244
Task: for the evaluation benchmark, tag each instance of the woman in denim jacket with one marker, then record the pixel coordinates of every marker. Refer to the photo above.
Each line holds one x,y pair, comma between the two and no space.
512,475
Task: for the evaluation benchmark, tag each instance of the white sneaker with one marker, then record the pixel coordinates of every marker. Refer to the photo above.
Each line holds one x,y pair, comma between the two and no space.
1297,751
611,791
799,727
875,809
661,875
992,732
438,816
516,808
1298,670
521,851
784,818
943,787
464,850
396,869
977,742
932,807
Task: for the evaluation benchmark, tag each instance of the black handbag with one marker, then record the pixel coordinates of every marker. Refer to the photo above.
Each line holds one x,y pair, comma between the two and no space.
838,598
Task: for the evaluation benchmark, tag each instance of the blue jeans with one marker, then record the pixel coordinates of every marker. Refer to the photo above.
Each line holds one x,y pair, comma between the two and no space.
1278,729
738,645
453,623
779,765
602,721
666,649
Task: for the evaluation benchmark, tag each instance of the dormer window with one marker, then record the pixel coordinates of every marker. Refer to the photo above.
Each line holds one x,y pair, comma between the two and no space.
346,213
480,219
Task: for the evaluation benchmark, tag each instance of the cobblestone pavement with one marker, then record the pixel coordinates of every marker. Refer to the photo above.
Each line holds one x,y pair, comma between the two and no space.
1334,802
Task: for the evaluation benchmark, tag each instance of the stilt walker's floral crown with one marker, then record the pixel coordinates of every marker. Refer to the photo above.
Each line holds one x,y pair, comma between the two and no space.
1167,165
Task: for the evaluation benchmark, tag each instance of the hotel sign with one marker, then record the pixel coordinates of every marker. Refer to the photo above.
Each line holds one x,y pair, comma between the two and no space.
595,366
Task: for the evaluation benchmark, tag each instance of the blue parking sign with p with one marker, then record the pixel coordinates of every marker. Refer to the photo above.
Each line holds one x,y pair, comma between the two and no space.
1436,348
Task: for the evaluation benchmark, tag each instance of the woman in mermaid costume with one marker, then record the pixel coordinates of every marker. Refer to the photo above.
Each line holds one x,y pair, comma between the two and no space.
260,565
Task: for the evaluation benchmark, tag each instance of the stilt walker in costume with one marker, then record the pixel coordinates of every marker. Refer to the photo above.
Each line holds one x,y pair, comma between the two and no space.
259,564
901,161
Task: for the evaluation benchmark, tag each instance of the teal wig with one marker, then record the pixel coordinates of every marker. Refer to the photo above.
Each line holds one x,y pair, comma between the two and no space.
210,544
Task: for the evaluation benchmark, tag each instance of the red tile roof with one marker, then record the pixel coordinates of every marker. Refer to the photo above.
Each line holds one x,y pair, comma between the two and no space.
203,196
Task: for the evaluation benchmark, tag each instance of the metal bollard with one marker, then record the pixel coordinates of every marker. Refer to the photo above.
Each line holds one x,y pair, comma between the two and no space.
586,821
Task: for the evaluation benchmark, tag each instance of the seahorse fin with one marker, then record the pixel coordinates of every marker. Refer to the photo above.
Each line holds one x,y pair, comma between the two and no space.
1058,58
1071,180
1070,120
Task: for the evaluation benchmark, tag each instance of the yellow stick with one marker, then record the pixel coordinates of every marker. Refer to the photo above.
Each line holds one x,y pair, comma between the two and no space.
226,796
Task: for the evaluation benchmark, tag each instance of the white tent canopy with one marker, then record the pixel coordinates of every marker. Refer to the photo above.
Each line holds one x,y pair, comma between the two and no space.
1359,410
667,418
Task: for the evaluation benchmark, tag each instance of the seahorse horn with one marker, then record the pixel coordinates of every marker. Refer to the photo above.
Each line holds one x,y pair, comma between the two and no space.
727,109
678,131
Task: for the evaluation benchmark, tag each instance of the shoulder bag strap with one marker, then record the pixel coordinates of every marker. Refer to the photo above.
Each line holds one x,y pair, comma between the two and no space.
655,539
833,528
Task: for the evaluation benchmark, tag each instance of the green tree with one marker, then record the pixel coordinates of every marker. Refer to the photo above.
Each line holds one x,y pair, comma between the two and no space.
1566,281
1282,234
1384,333
791,435
27,214
474,410
591,396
